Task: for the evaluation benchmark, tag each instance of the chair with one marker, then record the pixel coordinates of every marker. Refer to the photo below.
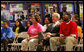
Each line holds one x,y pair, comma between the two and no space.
13,45
80,45
65,47
74,47
2,47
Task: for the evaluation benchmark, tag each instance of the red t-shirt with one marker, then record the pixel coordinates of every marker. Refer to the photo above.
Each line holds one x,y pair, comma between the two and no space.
68,29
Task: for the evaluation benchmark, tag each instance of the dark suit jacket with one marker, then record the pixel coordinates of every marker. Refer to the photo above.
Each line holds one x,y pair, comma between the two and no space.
53,29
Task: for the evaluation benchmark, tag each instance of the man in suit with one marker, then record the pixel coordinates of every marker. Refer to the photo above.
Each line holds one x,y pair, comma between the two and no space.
54,27
51,31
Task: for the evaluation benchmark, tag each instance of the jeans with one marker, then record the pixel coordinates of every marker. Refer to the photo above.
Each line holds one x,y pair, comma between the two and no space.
5,42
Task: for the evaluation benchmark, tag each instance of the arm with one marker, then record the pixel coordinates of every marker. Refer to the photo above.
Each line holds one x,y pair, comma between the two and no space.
28,32
80,32
9,33
2,34
73,32
61,34
34,36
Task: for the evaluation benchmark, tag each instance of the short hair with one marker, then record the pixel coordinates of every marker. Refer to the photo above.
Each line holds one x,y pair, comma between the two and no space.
67,13
57,14
37,18
30,22
64,6
6,21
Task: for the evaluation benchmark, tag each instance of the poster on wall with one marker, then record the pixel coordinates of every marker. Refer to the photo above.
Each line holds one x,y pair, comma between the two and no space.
3,6
50,8
14,7
35,9
5,15
22,15
69,7
2,12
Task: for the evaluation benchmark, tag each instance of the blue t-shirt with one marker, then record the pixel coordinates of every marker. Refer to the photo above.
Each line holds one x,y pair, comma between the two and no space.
7,33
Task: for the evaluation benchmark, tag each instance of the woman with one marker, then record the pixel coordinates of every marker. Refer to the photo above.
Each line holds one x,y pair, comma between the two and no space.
75,18
18,28
47,23
29,23
32,40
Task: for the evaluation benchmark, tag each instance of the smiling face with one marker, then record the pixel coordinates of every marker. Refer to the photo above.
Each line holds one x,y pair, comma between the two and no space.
54,17
28,24
17,23
5,25
34,20
66,17
46,20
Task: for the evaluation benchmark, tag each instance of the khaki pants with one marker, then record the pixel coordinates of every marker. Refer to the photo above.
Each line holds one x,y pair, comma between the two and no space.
31,44
69,41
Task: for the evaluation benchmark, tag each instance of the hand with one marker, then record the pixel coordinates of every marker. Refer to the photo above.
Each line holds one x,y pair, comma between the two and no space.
16,36
29,38
61,38
48,36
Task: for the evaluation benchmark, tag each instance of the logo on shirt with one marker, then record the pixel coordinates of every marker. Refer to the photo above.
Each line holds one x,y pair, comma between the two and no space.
33,31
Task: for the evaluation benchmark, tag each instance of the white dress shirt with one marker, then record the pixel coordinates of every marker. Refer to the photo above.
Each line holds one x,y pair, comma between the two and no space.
56,23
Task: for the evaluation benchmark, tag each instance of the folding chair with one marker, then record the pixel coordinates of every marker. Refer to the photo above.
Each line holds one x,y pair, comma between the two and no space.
2,47
13,47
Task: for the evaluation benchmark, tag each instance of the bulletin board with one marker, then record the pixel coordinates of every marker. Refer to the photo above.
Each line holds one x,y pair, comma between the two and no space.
3,5
14,7
5,14
50,6
69,7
